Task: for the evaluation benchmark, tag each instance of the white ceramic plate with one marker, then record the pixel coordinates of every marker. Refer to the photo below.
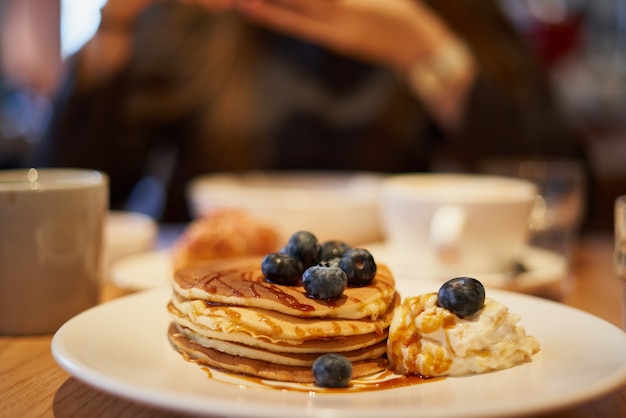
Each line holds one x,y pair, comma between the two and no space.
544,273
121,347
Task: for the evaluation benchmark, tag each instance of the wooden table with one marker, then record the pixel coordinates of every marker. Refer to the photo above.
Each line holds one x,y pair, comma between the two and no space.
33,385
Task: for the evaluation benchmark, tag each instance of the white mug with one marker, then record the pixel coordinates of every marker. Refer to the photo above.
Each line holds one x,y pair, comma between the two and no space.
456,224
51,246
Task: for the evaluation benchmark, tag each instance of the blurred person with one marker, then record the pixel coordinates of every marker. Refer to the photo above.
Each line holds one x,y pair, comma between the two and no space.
30,44
30,64
167,90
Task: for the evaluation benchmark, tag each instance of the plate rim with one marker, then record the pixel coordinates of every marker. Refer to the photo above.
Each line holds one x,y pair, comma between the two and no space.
526,283
192,404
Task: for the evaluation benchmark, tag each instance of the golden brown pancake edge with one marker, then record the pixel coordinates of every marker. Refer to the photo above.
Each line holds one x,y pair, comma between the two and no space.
241,282
264,370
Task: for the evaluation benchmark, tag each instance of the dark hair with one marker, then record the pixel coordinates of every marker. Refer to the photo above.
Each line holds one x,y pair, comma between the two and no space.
187,60
502,54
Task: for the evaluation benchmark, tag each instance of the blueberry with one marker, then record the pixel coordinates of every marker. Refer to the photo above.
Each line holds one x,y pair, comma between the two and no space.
333,249
324,281
359,266
332,370
462,295
333,261
282,269
304,246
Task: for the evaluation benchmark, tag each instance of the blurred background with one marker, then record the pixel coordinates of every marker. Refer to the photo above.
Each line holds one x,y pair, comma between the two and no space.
581,44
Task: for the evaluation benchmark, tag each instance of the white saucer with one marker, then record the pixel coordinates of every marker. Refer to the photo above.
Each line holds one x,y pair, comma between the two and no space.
543,273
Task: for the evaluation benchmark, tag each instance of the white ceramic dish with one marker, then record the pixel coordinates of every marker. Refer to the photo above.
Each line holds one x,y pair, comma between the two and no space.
544,275
333,204
121,347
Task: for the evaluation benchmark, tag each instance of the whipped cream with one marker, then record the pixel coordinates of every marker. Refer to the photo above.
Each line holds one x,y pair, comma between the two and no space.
432,341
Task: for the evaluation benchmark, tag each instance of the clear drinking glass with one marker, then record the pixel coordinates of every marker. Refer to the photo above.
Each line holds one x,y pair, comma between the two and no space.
619,257
560,206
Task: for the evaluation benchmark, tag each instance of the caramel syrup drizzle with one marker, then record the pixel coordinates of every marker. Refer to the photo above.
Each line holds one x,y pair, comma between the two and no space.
253,288
257,288
384,380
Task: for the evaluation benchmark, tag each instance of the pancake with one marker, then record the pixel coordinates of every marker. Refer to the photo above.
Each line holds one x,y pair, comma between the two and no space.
240,282
322,342
276,326
210,357
282,358
225,315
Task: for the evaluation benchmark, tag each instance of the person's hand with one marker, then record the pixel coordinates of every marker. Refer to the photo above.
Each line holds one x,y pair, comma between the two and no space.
212,5
404,35
108,50
390,32
129,10
126,10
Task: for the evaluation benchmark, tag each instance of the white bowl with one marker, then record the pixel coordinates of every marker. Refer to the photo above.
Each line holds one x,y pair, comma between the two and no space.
331,205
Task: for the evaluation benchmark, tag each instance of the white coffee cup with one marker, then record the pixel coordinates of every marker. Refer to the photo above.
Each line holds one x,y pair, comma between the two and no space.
455,224
51,246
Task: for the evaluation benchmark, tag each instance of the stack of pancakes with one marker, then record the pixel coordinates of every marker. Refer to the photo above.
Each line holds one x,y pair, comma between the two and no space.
225,315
